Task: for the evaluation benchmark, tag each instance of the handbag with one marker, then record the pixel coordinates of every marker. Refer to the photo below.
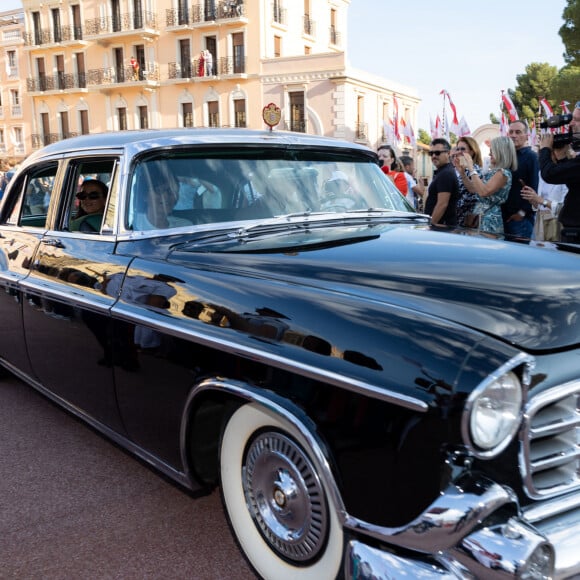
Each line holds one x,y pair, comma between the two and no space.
473,220
547,227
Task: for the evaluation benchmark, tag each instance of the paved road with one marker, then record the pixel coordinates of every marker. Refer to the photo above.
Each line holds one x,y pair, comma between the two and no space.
73,505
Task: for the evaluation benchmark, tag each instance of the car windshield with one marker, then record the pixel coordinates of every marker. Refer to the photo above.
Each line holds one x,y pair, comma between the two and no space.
182,187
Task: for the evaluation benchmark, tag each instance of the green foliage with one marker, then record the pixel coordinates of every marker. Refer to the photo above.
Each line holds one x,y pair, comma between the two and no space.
541,80
424,137
566,86
535,84
570,33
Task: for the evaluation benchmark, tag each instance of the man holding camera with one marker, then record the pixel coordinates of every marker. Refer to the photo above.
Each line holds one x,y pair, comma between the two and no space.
566,171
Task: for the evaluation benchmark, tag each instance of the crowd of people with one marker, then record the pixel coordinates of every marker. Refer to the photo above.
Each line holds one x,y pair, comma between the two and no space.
517,191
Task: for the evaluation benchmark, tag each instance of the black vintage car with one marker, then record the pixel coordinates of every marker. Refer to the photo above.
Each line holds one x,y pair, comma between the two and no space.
264,312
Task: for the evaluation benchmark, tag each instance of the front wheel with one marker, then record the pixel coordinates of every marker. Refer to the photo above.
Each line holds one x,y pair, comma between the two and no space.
275,501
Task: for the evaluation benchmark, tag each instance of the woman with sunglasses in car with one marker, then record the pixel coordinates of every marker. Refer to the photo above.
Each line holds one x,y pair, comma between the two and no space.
92,200
467,199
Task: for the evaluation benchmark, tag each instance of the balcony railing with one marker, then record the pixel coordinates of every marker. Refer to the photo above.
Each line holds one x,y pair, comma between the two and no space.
39,141
230,65
279,14
57,82
335,36
123,23
361,131
227,65
309,26
60,34
298,125
126,74
229,9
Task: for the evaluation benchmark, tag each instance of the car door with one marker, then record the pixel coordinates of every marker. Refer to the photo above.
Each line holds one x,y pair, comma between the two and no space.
67,321
23,222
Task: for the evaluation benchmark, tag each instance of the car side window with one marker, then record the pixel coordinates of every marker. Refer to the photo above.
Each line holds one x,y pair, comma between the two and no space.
88,184
30,198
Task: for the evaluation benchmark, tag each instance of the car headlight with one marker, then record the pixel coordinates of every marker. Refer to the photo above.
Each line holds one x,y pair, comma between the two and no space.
493,415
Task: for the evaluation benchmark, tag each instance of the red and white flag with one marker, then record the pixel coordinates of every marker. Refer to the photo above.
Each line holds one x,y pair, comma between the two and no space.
565,109
503,126
510,107
396,118
454,125
464,129
408,133
547,108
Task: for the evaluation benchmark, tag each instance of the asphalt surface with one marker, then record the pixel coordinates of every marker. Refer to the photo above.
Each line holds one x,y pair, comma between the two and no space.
73,505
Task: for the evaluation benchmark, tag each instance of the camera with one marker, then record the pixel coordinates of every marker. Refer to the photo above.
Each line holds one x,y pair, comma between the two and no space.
565,139
562,139
556,121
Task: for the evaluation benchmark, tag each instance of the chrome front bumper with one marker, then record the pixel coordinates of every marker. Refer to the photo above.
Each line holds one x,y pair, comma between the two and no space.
462,535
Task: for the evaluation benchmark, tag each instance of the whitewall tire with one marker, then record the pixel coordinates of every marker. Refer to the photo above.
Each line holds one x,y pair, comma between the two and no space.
275,501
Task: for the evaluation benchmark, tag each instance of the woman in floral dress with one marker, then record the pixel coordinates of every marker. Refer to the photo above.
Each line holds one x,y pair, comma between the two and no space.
492,190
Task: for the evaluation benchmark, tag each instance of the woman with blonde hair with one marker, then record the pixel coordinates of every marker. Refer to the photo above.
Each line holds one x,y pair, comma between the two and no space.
467,199
493,188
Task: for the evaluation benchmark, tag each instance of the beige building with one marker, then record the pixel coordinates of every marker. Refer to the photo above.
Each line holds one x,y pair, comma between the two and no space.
103,65
15,107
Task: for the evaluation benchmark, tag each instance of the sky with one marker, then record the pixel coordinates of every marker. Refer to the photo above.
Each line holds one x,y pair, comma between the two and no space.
473,50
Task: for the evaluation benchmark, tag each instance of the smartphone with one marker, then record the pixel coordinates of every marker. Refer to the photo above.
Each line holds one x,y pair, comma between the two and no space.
522,183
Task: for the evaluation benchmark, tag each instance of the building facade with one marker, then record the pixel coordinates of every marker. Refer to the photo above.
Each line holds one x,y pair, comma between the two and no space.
104,65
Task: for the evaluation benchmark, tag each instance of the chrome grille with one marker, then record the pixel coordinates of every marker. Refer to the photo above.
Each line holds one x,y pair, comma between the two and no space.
550,442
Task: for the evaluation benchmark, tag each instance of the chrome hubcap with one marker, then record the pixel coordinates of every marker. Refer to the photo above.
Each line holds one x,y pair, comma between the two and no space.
285,497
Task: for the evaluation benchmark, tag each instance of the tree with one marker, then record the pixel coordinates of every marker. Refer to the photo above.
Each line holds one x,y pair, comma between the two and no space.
570,33
566,86
424,137
535,84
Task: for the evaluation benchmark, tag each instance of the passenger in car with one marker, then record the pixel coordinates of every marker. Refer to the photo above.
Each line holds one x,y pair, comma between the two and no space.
160,204
92,199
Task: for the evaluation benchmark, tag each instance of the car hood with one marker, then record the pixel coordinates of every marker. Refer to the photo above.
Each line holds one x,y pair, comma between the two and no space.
526,296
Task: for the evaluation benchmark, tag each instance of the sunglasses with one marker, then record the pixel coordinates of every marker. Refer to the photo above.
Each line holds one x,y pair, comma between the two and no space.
89,195
461,148
437,153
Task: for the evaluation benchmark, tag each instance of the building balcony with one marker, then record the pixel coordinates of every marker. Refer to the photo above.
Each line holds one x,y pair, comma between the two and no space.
106,29
361,131
39,141
61,35
279,15
335,36
58,82
231,11
297,125
224,66
103,78
309,26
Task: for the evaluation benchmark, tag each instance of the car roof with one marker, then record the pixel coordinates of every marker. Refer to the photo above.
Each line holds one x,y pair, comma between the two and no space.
148,138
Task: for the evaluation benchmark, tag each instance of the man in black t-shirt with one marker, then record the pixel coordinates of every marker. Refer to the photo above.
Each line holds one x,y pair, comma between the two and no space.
444,188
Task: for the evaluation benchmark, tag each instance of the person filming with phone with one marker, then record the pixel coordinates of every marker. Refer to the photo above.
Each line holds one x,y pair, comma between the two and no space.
566,171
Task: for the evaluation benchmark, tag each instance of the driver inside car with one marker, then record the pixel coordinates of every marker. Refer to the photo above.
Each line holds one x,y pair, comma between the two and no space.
339,195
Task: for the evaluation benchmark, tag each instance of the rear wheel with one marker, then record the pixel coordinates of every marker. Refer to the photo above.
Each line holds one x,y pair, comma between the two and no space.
275,501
